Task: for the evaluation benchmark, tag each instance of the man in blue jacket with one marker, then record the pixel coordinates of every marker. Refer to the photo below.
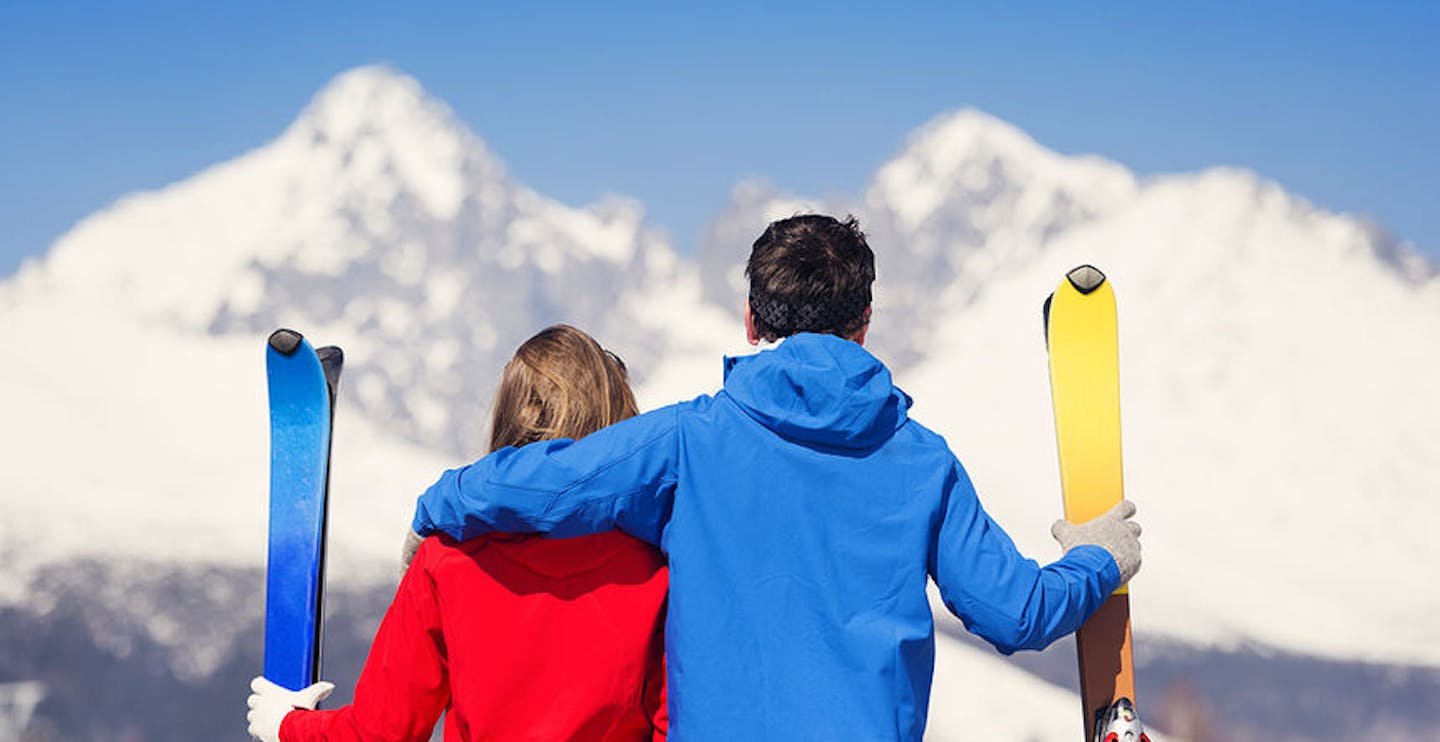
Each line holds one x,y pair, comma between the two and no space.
803,512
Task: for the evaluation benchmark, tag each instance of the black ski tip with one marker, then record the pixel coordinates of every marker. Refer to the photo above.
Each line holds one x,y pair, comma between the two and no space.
332,360
1086,278
1045,318
285,341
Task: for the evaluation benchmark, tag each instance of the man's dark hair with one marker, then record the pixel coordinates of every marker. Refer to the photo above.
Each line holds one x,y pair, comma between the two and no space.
810,273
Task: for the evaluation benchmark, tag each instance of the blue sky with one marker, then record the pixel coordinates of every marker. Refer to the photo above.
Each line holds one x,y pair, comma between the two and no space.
673,105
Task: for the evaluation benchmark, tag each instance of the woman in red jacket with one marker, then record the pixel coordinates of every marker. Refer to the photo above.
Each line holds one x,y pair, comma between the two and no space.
514,636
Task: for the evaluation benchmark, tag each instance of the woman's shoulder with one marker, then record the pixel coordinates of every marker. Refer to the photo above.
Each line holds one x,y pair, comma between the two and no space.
438,547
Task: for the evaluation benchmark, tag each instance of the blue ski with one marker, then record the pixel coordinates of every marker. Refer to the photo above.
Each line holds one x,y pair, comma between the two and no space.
302,384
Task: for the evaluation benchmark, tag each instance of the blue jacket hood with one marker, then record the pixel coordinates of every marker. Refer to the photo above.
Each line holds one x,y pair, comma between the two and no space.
819,389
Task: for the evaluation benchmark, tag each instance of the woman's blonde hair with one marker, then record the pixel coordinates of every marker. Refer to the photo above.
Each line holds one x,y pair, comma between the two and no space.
560,384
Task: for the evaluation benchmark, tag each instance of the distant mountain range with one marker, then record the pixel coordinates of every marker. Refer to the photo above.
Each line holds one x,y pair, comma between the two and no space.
1278,365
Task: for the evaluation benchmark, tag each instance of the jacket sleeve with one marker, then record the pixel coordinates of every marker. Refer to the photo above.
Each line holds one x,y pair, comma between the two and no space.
405,683
1001,596
621,477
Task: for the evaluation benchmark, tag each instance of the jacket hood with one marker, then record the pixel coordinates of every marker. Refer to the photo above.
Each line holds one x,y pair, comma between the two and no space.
819,389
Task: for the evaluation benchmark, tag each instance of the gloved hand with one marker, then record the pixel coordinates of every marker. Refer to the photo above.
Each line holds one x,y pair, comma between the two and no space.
269,703
1113,532
412,545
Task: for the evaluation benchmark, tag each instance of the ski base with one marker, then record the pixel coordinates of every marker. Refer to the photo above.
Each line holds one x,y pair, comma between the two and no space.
1118,722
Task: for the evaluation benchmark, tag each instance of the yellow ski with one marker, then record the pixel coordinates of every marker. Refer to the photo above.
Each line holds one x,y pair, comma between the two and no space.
1081,334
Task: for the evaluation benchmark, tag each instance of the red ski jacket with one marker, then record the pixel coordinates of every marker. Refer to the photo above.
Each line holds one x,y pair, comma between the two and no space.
515,637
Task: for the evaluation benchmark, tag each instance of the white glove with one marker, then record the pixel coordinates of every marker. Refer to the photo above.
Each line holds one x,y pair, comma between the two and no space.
1114,532
269,703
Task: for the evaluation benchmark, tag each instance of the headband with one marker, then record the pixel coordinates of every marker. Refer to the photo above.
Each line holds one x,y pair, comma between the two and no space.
828,314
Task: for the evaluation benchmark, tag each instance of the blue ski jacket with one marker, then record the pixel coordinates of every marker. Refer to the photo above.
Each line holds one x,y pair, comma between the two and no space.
802,511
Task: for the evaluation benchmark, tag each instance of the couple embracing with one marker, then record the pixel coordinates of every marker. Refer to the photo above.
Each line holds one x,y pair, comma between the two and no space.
796,517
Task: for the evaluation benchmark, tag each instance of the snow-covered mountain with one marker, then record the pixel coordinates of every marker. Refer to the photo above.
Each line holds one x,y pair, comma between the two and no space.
1280,417
377,221
1279,402
968,197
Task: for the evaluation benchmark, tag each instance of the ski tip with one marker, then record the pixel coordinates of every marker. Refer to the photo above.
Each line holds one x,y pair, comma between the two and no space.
285,341
332,360
1045,319
1086,278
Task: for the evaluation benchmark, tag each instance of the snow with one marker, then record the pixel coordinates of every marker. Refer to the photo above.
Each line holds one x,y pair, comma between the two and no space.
1278,400
973,153
976,697
140,443
393,124
607,230
1277,362
17,704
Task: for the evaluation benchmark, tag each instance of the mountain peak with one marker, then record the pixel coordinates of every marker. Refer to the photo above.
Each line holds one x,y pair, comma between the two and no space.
368,98
968,139
375,124
970,129
371,80
379,105
967,161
